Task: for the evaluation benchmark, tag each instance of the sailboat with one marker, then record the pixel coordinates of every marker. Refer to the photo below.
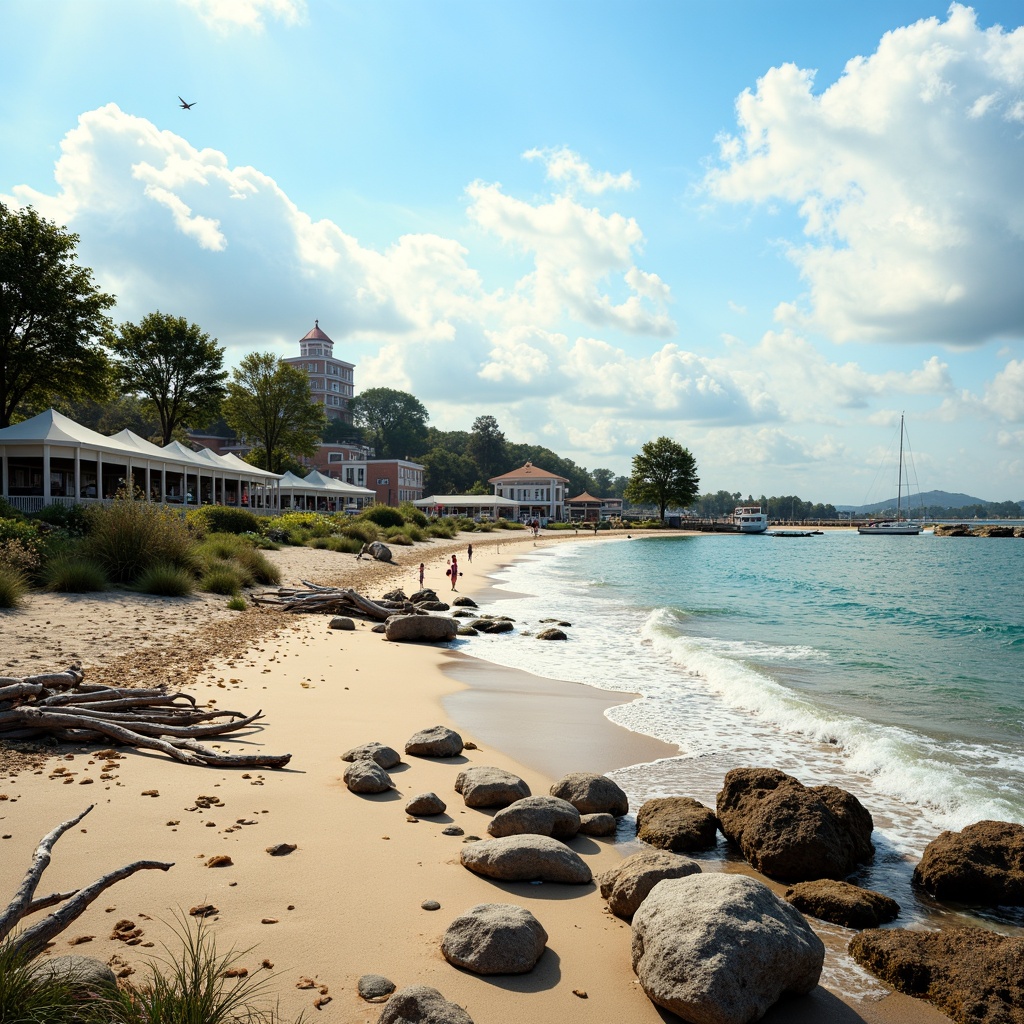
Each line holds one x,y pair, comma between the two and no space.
898,527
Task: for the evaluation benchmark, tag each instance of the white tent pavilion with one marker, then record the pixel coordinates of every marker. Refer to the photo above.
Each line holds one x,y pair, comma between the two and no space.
472,505
323,493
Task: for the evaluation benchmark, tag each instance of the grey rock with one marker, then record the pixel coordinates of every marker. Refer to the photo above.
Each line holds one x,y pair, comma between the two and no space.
721,949
597,824
426,594
437,741
366,776
468,631
430,905
464,602
628,884
341,622
677,823
453,830
420,628
490,625
386,757
484,786
282,849
539,815
85,975
425,805
463,614
552,633
381,552
592,794
374,988
432,606
494,938
379,628
526,858
421,1004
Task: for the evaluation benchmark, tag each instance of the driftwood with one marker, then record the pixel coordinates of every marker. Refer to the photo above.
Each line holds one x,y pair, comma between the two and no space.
329,600
34,938
64,706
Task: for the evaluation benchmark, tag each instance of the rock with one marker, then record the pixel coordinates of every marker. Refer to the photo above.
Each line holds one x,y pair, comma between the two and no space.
282,849
597,824
552,633
374,988
539,815
467,631
677,823
494,938
366,776
983,864
379,628
425,805
628,884
592,794
484,786
426,594
437,741
85,975
526,858
721,949
432,606
381,552
430,905
842,903
453,830
420,628
487,625
793,832
973,975
398,594
341,622
421,1004
386,757
464,602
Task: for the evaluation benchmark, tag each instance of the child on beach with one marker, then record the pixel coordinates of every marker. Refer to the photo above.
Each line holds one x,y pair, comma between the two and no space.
454,571
469,552
421,575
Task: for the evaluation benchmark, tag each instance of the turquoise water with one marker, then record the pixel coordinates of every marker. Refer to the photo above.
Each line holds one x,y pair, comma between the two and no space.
891,666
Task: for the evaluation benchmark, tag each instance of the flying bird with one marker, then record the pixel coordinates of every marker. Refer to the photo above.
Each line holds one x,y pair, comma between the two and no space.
187,106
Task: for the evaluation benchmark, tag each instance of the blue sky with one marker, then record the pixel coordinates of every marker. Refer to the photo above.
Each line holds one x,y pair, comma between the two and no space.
762,228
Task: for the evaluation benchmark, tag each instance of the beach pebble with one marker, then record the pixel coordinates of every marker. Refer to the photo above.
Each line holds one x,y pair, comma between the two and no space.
694,937
525,859
597,824
982,864
540,815
282,849
842,903
485,786
222,860
452,830
425,805
386,757
494,938
437,741
375,988
341,622
628,884
430,905
366,776
591,794
423,1005
420,628
677,823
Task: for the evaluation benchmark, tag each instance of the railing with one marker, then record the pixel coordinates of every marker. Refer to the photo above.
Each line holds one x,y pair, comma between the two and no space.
35,502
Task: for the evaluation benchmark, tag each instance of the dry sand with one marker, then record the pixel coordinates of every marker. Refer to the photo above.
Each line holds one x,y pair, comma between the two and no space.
347,901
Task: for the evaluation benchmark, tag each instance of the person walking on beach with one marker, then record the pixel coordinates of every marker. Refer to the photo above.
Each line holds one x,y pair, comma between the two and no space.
469,553
421,575
454,571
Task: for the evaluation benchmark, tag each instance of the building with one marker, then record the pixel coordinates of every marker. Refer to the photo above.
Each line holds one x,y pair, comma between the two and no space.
331,381
540,494
395,480
589,509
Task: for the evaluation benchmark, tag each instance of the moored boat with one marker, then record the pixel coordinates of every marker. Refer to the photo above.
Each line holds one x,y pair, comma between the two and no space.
750,519
898,527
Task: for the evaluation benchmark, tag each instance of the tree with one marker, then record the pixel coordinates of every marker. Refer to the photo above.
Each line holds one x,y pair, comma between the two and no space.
269,403
487,447
603,482
52,318
393,422
447,472
177,368
664,473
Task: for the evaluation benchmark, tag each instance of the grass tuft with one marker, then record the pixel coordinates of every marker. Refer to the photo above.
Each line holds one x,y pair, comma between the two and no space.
221,579
69,573
237,604
13,586
165,580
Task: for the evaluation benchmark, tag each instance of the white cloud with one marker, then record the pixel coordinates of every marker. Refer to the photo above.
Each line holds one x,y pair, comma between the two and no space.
564,165
1005,393
226,16
907,176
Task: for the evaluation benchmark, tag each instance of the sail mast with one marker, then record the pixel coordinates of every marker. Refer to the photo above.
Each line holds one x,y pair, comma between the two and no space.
899,484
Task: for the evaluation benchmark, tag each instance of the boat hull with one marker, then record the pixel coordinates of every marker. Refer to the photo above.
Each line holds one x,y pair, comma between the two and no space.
890,530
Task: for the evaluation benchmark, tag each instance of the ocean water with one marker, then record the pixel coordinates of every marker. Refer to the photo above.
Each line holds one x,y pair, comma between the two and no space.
890,666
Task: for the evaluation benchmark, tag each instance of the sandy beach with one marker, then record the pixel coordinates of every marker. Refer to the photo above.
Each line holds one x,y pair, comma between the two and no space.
348,900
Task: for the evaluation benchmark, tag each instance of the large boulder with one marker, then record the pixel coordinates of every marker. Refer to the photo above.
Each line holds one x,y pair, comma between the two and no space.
973,975
721,949
437,741
421,1004
484,786
366,776
526,858
591,794
539,815
677,823
85,976
793,832
983,864
386,757
628,884
842,903
494,938
421,628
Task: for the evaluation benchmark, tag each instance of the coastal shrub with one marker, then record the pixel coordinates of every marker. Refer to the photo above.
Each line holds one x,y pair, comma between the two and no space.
165,580
441,528
237,604
69,518
345,545
221,579
257,566
320,543
397,536
26,533
415,532
384,516
218,519
362,530
127,537
13,587
71,573
20,557
8,511
222,546
509,524
412,514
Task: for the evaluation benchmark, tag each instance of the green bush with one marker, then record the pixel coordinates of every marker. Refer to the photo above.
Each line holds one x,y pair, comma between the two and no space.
69,518
127,537
13,586
72,573
510,524
8,511
441,528
362,530
221,579
346,545
237,604
258,567
397,536
384,516
412,514
165,580
219,519
320,543
22,531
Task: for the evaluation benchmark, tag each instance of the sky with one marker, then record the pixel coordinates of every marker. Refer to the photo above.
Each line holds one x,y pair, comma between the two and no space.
764,228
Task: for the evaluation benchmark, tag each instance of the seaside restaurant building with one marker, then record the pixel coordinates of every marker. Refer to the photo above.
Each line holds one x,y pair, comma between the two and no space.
51,459
539,493
474,506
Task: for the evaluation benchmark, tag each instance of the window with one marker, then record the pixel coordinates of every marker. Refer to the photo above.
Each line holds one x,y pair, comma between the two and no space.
382,481
335,386
335,456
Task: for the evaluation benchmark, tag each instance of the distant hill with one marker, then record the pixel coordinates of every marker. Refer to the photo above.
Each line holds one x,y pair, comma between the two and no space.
941,498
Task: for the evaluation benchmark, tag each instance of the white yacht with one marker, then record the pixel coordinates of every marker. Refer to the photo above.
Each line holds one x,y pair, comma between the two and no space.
898,527
750,519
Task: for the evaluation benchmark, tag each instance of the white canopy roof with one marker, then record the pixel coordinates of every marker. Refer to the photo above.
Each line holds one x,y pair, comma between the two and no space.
467,501
317,479
52,427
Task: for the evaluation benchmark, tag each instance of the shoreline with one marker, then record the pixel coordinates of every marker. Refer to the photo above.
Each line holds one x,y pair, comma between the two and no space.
361,869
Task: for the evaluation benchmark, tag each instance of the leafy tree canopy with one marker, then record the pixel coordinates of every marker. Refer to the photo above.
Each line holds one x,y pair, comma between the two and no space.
393,422
488,448
121,412
451,440
664,473
52,318
269,403
447,472
174,366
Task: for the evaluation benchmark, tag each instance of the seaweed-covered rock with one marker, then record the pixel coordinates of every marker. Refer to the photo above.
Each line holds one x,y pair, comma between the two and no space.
628,884
590,793
485,786
526,858
677,823
982,864
842,903
495,938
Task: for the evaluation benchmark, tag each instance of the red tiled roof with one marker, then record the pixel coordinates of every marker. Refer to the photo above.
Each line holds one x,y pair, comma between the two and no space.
586,496
528,472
